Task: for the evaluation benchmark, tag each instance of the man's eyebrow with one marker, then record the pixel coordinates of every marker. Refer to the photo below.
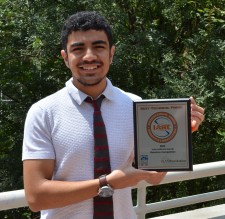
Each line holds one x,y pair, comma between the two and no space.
94,43
99,42
77,44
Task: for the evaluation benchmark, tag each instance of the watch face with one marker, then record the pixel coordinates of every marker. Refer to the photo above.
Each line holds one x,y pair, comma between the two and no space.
105,191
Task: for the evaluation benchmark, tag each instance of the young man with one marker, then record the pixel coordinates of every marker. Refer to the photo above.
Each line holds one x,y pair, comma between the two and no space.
58,148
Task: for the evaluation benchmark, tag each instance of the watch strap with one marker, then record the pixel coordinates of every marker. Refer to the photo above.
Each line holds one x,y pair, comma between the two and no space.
102,181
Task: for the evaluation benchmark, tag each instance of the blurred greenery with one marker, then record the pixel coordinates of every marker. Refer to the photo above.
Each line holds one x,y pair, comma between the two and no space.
164,49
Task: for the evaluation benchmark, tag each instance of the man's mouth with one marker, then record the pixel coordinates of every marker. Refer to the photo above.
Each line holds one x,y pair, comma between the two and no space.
88,67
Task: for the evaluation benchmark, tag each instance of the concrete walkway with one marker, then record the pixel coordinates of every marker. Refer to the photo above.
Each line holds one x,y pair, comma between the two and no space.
215,212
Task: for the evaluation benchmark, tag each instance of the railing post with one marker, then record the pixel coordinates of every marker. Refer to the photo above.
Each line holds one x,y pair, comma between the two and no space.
141,202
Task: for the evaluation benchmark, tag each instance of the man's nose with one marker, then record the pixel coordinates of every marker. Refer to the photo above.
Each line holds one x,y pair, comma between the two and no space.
89,55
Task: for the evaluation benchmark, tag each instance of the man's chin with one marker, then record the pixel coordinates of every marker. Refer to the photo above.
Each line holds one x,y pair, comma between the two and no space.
90,83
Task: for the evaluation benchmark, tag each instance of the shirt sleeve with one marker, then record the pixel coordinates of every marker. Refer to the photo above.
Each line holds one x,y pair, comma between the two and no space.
37,143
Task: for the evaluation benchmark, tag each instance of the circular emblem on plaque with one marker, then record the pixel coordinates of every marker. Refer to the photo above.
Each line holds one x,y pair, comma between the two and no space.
162,127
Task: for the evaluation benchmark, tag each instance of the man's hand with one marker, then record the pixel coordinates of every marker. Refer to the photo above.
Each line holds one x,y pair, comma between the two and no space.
128,176
197,115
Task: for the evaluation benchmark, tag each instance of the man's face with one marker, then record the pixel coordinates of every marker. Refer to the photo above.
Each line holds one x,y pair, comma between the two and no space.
88,56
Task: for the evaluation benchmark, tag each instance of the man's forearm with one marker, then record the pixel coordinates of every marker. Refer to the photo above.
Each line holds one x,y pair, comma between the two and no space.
55,194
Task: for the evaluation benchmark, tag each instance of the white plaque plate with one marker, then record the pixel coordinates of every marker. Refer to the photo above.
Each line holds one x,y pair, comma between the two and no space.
162,130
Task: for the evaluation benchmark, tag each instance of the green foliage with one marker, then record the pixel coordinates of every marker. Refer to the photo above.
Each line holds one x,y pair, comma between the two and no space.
164,49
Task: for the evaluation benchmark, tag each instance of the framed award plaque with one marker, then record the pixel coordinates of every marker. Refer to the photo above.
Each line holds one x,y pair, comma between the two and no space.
162,132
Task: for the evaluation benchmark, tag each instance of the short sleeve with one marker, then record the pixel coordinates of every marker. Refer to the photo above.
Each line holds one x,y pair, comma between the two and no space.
37,143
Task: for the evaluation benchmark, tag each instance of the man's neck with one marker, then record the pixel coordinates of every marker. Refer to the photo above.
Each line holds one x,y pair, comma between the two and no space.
93,91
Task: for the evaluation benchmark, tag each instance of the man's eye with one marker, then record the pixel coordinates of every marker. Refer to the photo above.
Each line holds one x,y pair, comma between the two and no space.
77,49
99,47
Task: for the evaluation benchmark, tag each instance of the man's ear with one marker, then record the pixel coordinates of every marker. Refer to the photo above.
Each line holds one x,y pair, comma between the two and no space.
65,57
112,51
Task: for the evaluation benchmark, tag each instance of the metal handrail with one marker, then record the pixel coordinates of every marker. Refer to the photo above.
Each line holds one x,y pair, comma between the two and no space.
12,199
199,171
16,199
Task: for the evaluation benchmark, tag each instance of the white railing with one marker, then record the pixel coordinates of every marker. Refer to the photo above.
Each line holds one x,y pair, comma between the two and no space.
199,171
12,199
16,199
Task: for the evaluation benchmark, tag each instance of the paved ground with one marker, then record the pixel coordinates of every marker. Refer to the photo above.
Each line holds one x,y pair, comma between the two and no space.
216,212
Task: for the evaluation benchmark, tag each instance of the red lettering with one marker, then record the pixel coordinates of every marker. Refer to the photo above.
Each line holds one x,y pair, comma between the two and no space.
161,127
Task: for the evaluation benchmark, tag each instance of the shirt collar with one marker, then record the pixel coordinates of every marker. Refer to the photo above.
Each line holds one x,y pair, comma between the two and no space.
80,96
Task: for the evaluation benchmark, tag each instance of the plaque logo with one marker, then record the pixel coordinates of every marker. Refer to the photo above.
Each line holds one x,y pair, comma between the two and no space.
162,127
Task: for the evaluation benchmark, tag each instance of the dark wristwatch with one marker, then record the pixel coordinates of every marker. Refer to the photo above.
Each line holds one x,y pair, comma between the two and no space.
105,190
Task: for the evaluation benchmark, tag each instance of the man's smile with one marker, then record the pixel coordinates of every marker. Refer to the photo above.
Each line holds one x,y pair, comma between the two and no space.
89,67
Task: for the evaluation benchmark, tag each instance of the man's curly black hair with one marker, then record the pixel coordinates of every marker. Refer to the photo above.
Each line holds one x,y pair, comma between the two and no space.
83,21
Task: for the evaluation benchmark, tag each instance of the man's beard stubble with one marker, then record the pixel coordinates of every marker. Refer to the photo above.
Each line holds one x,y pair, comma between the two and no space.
91,84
